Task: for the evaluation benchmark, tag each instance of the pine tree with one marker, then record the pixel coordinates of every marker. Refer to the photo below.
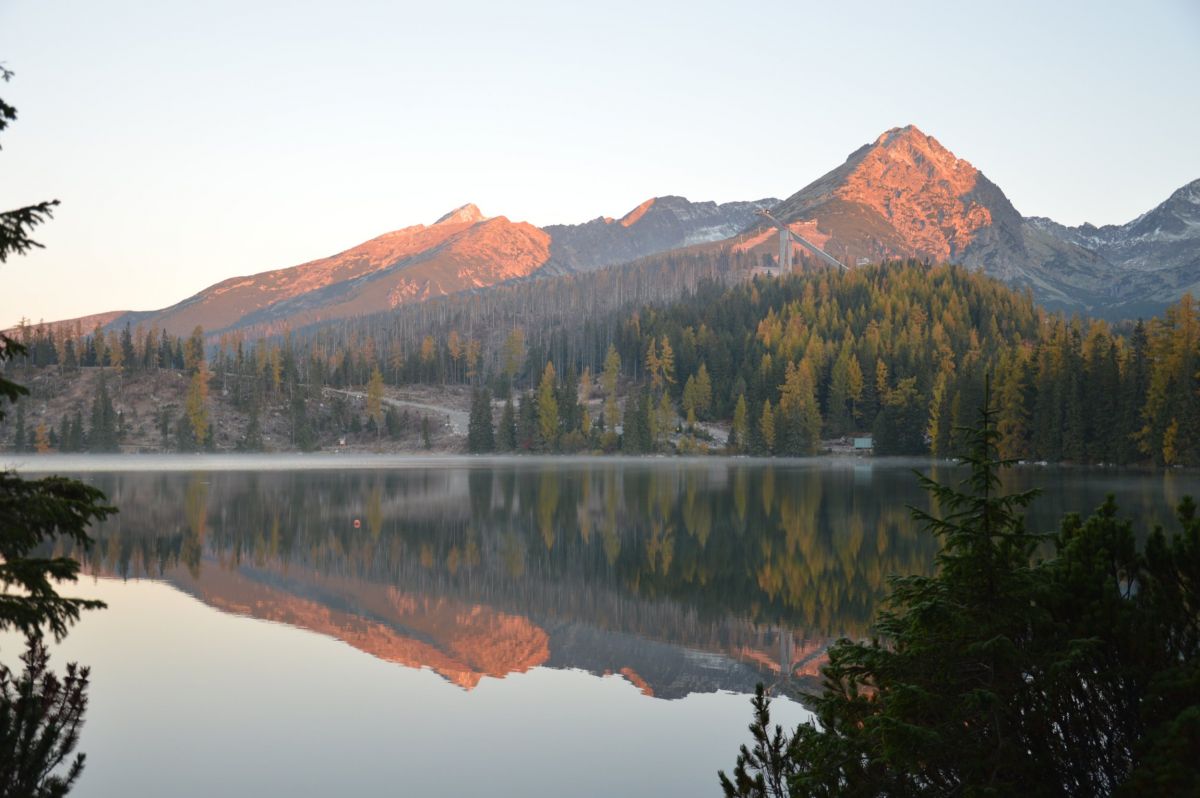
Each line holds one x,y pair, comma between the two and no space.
507,435
631,439
766,426
102,436
391,420
526,422
740,431
900,427
664,419
567,397
375,399
480,433
1012,423
77,437
547,408
197,404
193,351
666,362
64,434
798,422
1076,674
612,372
653,366
840,407
251,440
19,431
704,392
514,354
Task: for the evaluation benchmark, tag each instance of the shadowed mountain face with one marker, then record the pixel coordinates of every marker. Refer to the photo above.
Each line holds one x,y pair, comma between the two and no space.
679,577
657,225
1157,255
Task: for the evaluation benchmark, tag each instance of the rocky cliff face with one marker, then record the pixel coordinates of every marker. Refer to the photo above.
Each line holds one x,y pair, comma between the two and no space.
657,225
1155,257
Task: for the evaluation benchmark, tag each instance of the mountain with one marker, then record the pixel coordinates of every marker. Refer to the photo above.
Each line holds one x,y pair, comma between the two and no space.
902,196
1158,253
657,225
906,196
461,251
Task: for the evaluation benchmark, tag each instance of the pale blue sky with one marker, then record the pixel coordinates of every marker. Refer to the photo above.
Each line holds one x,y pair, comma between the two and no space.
190,141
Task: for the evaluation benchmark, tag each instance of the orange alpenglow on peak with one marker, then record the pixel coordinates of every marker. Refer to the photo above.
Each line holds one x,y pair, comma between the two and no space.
635,215
922,189
466,214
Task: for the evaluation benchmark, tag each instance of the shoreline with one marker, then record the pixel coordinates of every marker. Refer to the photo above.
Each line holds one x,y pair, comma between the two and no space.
339,461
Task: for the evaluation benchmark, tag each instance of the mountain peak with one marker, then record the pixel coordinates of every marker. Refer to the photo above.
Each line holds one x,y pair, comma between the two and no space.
910,144
909,196
465,214
637,213
895,134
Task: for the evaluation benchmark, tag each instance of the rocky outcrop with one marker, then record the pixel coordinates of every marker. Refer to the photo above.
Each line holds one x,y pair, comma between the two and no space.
657,225
1156,257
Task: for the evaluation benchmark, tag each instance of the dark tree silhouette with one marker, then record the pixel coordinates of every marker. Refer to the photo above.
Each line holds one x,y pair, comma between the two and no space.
40,714
1003,674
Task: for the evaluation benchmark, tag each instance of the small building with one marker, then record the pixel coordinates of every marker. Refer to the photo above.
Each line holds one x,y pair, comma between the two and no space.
864,445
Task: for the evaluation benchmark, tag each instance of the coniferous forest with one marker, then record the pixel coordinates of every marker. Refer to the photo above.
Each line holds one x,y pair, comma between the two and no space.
777,365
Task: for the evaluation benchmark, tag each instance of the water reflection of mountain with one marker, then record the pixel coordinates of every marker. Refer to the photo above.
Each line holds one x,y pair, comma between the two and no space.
682,578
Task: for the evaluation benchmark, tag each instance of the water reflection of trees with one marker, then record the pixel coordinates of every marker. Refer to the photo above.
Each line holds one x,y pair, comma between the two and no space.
800,547
805,547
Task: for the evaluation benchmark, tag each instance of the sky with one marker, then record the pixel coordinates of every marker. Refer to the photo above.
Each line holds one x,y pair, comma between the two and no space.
191,142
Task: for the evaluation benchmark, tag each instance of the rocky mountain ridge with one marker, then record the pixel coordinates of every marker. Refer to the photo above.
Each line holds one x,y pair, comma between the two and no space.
907,196
903,195
462,251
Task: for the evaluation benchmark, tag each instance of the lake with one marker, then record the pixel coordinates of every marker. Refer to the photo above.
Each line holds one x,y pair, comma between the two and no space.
454,626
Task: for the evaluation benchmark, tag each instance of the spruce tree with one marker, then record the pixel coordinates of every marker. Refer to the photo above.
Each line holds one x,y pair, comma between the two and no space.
251,440
507,434
547,409
480,433
526,422
19,429
102,435
1076,674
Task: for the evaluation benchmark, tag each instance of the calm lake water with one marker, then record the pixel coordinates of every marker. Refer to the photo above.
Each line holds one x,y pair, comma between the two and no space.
320,626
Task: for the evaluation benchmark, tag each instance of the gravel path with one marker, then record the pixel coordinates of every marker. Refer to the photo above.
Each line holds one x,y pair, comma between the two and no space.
455,419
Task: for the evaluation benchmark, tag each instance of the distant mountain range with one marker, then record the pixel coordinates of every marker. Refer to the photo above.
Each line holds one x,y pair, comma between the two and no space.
902,196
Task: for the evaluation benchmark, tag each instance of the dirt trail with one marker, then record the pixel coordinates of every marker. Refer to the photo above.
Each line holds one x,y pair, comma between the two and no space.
456,419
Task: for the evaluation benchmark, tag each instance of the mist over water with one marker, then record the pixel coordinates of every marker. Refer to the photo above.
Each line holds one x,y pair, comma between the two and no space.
313,624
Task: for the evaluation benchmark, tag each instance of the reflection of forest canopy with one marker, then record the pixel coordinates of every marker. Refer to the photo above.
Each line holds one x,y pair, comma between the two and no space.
808,548
804,546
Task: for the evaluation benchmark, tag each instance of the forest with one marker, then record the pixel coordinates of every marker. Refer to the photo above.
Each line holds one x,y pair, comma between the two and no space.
688,353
